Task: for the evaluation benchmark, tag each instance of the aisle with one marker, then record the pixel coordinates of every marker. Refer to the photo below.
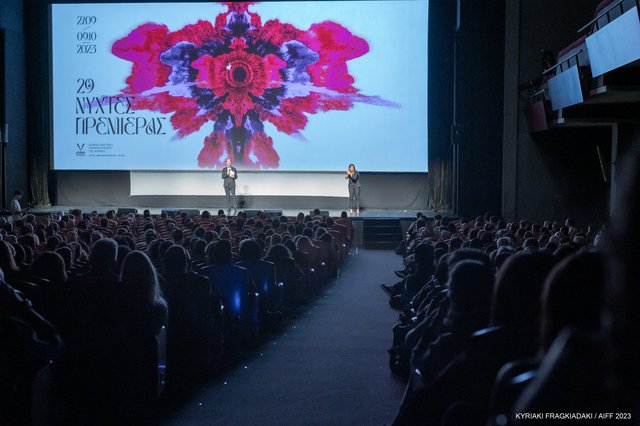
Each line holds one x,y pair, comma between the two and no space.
328,367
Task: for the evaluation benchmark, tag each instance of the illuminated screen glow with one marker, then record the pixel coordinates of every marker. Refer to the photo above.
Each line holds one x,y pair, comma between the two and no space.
286,86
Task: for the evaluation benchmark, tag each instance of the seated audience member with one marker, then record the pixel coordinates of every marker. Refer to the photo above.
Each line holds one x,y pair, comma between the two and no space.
423,322
7,260
263,274
287,273
572,297
470,285
234,286
466,383
28,343
67,256
48,273
50,266
141,314
417,275
599,372
194,333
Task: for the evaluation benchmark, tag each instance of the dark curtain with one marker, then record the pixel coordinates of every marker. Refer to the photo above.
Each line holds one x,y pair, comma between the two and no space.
441,56
36,36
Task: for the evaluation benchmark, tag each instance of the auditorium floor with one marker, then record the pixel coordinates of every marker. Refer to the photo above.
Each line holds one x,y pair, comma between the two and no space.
327,367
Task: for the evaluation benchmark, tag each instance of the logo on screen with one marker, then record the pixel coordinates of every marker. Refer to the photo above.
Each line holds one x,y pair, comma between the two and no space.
80,151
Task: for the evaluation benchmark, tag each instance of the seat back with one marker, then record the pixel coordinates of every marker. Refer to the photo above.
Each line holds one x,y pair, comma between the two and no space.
263,274
239,296
194,334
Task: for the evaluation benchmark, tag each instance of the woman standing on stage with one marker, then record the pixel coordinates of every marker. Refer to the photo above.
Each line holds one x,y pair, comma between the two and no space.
354,189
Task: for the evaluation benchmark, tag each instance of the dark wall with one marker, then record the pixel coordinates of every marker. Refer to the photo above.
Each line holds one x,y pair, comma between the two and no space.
13,97
555,174
478,105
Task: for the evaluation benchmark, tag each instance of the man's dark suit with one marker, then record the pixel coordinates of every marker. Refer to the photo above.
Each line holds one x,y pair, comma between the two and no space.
230,185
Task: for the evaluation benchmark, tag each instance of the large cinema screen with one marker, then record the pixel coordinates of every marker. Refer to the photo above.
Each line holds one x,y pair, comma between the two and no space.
285,86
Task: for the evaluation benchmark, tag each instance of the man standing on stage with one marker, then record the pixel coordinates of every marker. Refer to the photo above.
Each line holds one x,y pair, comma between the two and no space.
229,175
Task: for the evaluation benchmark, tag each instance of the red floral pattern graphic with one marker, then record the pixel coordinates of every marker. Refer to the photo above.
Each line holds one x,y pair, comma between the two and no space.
238,73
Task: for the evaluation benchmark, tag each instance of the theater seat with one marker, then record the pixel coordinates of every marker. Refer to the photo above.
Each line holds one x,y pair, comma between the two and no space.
240,299
263,274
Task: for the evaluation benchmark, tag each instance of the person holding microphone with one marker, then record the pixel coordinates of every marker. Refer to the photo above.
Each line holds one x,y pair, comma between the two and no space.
229,176
354,189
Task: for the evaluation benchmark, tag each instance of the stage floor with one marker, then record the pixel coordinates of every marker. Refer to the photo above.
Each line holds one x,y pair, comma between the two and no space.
364,214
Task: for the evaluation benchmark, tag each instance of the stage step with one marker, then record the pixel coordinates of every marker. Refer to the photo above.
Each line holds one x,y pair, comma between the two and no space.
381,234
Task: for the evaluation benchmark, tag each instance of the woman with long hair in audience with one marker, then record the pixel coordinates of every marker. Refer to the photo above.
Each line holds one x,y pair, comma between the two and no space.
143,314
51,266
141,285
7,260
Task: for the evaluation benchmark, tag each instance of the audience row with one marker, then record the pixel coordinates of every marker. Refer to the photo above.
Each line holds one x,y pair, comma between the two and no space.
101,310
500,319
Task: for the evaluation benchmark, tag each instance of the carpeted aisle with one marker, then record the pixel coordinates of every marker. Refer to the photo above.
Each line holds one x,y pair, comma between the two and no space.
328,367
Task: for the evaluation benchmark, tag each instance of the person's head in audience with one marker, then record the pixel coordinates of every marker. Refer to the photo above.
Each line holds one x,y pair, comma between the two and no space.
423,255
177,235
530,244
441,273
140,281
176,260
275,239
20,255
28,254
327,238
470,284
278,251
291,245
199,248
304,242
468,254
52,242
79,253
573,295
51,266
249,250
95,236
219,252
153,250
7,260
564,250
518,292
455,243
103,257
163,248
123,251
225,234
67,255
621,320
